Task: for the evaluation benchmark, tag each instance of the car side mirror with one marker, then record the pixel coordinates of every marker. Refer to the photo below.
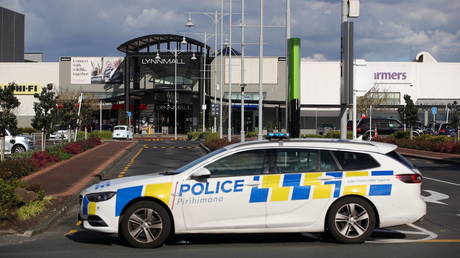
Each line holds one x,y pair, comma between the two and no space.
201,174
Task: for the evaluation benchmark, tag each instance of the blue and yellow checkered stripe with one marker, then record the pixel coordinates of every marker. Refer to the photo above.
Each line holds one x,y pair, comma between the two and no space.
304,186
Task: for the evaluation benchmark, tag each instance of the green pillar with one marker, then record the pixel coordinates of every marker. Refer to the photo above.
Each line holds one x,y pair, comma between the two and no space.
294,87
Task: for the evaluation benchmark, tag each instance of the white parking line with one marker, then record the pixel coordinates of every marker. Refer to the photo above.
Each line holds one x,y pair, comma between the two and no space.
421,231
442,181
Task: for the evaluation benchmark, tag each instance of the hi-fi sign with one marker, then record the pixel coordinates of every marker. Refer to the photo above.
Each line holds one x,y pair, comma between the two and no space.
24,88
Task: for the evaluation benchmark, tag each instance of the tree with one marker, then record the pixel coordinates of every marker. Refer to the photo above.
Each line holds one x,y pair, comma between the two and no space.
408,113
374,97
69,114
45,111
455,116
8,102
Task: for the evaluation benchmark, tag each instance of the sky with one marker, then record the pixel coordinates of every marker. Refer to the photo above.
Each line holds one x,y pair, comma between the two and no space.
387,30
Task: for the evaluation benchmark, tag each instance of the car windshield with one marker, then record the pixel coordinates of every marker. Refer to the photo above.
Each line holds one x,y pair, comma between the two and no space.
199,160
119,128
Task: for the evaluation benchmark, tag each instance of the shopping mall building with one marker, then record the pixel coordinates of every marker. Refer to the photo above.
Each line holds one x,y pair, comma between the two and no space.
154,70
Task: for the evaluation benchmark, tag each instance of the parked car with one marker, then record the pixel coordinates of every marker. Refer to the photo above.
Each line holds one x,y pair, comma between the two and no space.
324,129
122,132
263,187
384,126
19,143
446,129
61,133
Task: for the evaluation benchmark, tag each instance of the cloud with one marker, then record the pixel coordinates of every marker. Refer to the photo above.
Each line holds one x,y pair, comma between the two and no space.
152,17
316,57
385,30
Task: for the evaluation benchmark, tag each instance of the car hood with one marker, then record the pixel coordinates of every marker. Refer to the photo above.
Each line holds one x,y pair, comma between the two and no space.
113,185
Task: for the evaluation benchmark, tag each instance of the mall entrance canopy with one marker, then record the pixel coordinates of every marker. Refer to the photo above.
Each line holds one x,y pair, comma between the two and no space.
150,76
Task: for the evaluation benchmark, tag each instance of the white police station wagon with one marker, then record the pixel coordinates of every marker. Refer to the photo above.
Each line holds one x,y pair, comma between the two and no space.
345,188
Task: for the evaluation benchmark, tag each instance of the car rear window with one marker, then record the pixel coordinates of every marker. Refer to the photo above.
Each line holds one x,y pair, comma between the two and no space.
401,159
355,160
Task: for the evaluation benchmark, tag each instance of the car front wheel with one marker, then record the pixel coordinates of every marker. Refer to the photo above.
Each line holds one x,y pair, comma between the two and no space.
18,148
351,220
146,224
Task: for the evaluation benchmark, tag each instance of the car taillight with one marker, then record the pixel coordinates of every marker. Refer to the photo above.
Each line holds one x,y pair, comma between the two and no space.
359,130
410,178
442,131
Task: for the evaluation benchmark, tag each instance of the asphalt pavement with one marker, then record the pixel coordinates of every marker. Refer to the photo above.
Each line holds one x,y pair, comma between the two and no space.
438,235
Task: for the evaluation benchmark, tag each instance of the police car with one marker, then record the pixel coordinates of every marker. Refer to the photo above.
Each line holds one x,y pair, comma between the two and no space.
345,188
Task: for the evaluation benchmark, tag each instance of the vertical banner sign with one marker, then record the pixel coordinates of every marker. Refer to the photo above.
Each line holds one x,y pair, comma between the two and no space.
294,86
346,86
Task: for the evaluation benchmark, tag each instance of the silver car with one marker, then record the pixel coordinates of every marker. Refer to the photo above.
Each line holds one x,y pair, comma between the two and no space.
19,143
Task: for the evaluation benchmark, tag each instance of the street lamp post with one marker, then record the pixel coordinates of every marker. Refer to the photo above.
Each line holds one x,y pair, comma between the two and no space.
261,55
215,18
242,135
229,130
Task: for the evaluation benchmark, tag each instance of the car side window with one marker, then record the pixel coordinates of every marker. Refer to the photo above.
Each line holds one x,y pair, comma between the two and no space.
239,164
296,160
394,124
326,162
355,160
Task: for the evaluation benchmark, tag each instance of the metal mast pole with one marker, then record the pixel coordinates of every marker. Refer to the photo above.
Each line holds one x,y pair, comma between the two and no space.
343,107
175,94
221,128
203,107
261,54
229,133
215,68
242,72
286,81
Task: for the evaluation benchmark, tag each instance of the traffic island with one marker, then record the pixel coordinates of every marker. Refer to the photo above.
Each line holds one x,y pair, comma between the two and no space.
62,182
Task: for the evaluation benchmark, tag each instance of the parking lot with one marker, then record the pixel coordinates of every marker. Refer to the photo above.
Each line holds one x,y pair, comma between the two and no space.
437,235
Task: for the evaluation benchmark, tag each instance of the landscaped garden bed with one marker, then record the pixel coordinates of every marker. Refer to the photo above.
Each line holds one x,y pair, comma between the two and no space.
19,201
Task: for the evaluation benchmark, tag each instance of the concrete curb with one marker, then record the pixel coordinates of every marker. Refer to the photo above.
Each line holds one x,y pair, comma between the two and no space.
71,199
421,156
205,148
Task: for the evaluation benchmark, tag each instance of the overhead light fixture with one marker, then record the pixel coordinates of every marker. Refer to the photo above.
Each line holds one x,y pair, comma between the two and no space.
189,22
184,41
193,57
157,57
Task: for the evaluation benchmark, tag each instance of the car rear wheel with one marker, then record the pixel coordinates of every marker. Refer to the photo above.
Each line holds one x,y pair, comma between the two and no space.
351,220
146,224
18,148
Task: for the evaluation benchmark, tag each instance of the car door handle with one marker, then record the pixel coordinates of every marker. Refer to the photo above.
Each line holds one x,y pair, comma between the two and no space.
324,178
253,184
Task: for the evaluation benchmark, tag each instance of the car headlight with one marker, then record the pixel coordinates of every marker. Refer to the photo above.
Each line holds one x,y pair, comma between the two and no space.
100,197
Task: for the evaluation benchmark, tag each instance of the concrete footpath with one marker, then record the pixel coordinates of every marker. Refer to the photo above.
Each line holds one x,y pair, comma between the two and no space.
71,176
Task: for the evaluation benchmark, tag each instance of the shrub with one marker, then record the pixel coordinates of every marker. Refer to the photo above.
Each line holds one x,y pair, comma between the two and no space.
401,135
33,209
217,143
90,143
447,147
8,200
26,130
61,155
209,135
42,159
72,148
311,136
101,134
193,135
10,169
251,134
